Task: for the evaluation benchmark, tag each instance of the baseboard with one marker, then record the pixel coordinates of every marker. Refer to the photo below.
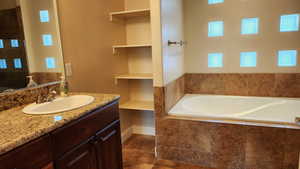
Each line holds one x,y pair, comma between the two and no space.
143,130
137,130
127,134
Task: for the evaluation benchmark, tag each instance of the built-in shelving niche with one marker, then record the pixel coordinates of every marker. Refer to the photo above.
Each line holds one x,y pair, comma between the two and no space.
137,49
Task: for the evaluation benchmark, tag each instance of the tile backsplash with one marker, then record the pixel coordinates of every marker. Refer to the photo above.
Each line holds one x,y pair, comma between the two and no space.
23,97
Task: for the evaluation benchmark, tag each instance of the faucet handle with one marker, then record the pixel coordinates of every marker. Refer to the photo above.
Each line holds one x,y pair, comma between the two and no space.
52,90
40,99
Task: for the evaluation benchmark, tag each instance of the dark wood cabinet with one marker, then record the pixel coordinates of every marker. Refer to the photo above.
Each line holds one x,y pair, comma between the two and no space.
33,155
91,142
82,157
109,148
73,134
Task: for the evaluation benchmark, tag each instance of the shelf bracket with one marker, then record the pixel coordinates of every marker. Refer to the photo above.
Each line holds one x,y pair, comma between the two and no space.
111,17
114,50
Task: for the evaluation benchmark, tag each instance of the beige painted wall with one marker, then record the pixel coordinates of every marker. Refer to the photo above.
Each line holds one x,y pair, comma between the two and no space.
197,14
172,29
34,30
137,4
88,37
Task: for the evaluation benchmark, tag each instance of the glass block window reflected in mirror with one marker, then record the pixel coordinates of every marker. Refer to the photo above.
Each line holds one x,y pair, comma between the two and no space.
47,40
44,16
18,63
14,43
1,44
50,63
3,64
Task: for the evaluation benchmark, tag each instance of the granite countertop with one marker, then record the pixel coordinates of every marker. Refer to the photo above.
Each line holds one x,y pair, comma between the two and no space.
17,128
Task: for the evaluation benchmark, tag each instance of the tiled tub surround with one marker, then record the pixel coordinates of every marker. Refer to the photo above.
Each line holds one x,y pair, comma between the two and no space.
24,96
174,91
227,146
220,144
17,128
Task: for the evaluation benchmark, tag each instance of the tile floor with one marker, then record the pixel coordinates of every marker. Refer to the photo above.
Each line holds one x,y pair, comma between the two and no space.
138,153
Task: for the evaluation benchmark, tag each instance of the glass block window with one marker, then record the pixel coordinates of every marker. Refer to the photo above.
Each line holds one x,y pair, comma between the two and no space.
215,28
18,63
14,43
250,26
248,59
50,63
287,58
289,23
44,16
1,44
47,40
215,1
3,64
215,60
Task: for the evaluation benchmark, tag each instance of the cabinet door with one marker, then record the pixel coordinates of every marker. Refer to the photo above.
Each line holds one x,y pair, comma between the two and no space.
33,155
82,157
109,148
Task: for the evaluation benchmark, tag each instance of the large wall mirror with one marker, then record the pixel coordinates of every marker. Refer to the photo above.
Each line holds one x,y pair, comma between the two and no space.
30,46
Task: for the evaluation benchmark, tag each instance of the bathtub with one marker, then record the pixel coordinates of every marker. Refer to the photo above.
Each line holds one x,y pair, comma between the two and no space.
238,108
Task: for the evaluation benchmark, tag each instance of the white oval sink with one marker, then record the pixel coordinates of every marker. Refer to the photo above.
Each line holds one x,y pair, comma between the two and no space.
59,105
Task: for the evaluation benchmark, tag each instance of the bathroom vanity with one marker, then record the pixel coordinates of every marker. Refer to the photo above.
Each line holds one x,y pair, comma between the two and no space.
85,138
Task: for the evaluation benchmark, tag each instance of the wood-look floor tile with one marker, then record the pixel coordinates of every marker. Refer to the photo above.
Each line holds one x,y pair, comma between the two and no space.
138,153
141,142
165,164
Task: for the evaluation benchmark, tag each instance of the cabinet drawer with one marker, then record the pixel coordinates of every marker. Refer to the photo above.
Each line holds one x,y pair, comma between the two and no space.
68,137
33,155
81,157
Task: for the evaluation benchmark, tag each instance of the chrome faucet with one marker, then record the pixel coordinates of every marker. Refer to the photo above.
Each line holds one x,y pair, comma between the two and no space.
51,95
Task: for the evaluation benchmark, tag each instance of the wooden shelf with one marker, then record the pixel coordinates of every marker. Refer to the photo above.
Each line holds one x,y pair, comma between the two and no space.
130,46
136,76
130,14
138,105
